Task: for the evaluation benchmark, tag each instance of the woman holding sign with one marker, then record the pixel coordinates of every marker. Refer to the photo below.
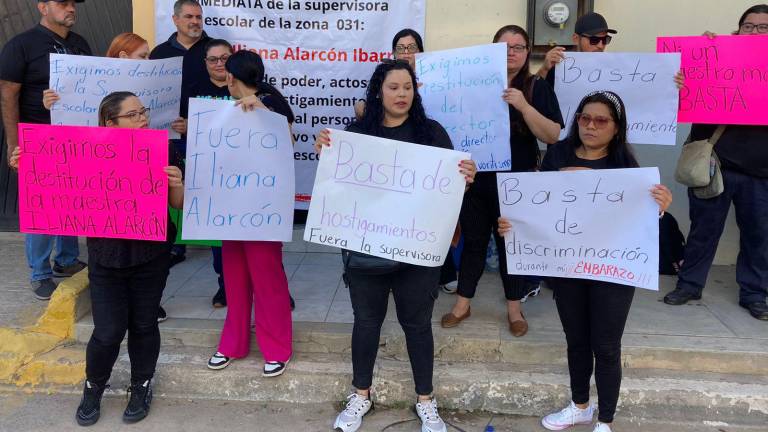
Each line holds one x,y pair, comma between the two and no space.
534,114
253,270
394,111
593,313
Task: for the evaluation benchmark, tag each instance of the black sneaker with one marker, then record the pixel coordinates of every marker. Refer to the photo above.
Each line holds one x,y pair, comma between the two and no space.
161,315
70,270
274,368
43,288
140,398
90,406
177,258
758,310
679,297
220,299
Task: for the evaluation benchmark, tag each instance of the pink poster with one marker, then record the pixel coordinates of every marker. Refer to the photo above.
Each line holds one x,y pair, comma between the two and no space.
726,78
93,181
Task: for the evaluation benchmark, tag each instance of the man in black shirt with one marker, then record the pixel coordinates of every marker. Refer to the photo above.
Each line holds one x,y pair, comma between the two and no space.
24,74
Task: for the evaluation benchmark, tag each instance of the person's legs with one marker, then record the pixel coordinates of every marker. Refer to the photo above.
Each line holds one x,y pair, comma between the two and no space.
220,298
67,251
477,218
369,295
751,203
272,307
609,308
448,269
236,334
415,290
38,248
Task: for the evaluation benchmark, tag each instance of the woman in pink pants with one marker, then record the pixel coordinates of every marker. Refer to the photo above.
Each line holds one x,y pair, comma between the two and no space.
253,270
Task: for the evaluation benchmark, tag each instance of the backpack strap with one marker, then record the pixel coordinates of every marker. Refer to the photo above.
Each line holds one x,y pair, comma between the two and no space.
716,136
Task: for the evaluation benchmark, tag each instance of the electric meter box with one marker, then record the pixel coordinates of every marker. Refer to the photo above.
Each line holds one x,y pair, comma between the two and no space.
554,21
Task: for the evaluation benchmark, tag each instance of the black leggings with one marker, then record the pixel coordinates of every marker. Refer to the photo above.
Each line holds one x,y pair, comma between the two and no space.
593,314
125,299
479,218
415,289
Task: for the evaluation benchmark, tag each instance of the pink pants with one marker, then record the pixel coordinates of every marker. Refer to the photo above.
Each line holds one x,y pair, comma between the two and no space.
254,275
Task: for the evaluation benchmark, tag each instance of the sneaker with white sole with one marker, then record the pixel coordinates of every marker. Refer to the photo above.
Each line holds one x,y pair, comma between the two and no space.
219,361
351,418
450,287
430,419
601,427
569,416
274,368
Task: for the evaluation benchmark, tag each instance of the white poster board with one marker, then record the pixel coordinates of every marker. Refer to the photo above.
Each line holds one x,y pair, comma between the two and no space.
461,89
644,81
320,55
83,81
386,198
586,224
239,180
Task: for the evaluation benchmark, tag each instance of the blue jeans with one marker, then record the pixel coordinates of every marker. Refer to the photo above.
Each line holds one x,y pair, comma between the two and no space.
749,195
39,248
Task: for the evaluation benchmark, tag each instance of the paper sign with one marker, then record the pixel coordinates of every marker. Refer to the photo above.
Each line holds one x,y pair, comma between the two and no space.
587,224
239,178
386,198
462,89
645,82
726,78
83,81
93,181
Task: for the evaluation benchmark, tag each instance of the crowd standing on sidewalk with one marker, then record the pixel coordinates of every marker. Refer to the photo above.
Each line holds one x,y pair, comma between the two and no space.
127,277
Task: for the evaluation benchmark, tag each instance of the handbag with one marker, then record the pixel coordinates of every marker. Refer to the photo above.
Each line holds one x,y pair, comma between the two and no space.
361,263
696,167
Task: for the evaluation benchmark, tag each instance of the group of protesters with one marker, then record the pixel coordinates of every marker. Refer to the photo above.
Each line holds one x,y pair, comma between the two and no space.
127,277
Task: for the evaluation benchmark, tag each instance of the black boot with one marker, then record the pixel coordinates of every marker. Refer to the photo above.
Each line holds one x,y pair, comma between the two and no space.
90,405
138,404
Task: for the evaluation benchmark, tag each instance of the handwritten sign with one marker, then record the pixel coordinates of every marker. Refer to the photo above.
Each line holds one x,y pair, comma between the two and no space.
93,182
461,89
726,81
386,198
645,82
239,178
82,82
588,224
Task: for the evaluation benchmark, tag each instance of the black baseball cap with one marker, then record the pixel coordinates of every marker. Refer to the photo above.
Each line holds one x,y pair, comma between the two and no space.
592,24
59,1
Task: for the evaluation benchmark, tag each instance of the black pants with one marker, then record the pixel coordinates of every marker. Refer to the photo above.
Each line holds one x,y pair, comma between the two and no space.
593,314
218,266
479,218
749,196
415,289
448,270
125,299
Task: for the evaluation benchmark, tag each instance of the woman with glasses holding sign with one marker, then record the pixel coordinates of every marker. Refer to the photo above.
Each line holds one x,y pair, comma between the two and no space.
394,111
593,313
534,114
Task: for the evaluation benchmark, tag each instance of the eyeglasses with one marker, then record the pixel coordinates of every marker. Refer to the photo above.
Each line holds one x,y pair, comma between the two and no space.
214,60
519,49
594,40
406,49
134,116
391,61
748,27
585,119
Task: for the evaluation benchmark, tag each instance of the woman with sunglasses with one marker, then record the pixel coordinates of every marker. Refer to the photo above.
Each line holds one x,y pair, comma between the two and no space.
394,111
534,114
126,279
593,313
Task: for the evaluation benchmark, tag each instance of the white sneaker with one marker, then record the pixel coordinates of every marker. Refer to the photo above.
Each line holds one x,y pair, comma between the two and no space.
601,427
219,361
430,419
450,287
569,416
351,418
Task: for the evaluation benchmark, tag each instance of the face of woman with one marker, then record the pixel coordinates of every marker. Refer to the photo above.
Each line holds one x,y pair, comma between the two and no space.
517,51
141,53
132,115
406,49
756,19
596,126
397,93
214,62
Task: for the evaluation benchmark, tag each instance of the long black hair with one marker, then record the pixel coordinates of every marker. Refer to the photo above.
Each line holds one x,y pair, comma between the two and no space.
248,67
619,152
524,80
756,9
373,116
109,107
408,32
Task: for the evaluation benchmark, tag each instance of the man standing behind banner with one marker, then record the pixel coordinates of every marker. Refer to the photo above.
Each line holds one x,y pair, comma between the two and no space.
24,75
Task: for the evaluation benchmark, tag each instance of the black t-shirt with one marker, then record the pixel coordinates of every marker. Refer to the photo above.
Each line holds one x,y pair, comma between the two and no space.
407,132
525,148
740,148
25,60
562,155
204,89
194,71
551,77
277,104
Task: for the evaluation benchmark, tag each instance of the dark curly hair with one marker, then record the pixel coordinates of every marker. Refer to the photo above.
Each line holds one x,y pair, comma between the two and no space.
373,116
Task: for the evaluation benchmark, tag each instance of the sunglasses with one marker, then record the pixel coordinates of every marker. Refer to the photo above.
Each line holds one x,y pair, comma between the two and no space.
595,40
600,122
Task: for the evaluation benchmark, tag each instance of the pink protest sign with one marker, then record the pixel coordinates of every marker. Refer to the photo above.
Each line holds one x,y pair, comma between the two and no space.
93,181
726,78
